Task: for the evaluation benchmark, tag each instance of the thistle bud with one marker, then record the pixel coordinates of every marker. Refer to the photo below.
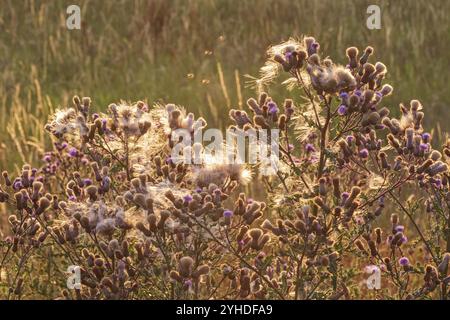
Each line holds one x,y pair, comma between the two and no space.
185,266
352,54
43,204
365,57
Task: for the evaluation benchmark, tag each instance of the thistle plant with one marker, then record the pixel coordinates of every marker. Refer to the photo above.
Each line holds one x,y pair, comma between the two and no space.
353,188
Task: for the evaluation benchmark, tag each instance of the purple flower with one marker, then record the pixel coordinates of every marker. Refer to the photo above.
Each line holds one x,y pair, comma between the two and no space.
426,137
343,95
95,116
399,228
188,283
104,122
273,108
345,195
438,183
187,198
198,190
17,184
403,261
310,148
228,213
87,182
47,158
289,111
404,239
342,110
358,93
424,146
290,147
350,139
364,153
73,152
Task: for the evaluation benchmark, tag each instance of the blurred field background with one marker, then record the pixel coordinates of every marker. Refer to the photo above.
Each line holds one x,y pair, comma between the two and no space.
196,53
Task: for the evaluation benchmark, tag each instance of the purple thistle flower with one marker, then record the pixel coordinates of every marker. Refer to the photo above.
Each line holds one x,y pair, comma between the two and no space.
309,148
187,198
87,182
399,228
47,158
358,93
198,190
424,146
343,95
350,139
104,122
73,152
228,213
345,195
17,184
403,261
290,147
438,183
426,137
342,110
404,239
273,108
95,116
364,153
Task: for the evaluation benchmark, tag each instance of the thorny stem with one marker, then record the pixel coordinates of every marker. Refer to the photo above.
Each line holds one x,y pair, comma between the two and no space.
422,237
324,137
220,243
299,269
294,166
299,78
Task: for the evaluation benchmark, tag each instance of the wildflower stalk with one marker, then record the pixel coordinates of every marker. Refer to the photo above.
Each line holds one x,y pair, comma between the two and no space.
422,237
324,137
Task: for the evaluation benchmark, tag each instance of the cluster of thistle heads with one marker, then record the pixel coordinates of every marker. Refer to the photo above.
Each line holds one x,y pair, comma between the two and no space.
110,199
